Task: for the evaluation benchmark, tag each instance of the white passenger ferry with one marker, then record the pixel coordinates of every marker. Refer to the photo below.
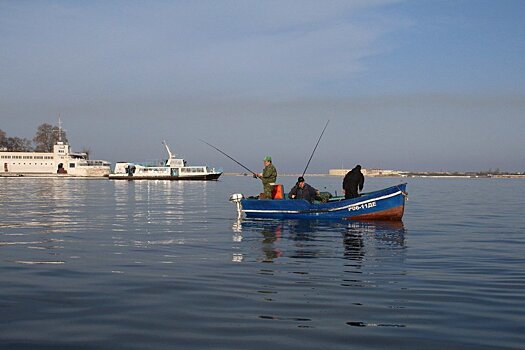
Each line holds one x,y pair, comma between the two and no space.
61,162
171,169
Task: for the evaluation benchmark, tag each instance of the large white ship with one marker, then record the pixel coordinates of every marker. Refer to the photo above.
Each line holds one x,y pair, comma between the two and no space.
172,169
60,162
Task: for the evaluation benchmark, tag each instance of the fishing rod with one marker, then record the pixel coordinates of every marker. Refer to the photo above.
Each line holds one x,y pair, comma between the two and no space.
304,172
212,146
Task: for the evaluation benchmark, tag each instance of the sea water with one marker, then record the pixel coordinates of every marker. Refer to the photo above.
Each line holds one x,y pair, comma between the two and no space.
103,264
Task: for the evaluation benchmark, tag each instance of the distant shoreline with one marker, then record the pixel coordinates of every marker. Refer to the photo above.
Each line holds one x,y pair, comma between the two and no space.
409,175
405,175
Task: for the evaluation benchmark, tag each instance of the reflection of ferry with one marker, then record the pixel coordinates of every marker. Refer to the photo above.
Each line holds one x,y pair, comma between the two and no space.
172,169
61,161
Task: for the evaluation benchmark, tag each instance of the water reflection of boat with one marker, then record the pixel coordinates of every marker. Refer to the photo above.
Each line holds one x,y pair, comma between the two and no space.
311,238
271,234
360,237
388,230
385,204
282,226
385,231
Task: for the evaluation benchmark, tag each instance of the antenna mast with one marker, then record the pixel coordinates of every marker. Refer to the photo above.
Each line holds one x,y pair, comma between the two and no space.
167,149
59,129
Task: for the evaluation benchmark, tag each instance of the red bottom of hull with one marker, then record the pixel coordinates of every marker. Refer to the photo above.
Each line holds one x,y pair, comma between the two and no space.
394,214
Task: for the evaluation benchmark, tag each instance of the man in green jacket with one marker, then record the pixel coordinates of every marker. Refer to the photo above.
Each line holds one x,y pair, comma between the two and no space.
268,177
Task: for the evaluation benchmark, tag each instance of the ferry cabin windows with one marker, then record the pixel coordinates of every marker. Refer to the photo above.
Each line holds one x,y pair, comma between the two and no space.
193,170
71,165
26,157
153,170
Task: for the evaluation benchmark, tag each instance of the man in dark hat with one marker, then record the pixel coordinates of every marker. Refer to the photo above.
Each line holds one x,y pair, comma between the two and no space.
302,190
353,179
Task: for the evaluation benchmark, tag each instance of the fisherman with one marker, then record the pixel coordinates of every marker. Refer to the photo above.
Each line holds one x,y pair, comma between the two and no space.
302,190
353,180
268,177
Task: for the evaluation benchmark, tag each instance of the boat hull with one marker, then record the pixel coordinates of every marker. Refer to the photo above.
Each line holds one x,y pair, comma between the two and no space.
387,204
203,177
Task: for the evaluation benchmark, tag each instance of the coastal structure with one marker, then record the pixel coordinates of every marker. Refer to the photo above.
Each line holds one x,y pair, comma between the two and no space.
367,172
61,162
433,174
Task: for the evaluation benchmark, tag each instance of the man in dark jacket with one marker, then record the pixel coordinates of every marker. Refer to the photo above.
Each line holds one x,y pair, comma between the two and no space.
353,179
302,190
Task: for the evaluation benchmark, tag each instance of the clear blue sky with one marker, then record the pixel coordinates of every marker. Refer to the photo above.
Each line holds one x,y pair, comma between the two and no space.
410,85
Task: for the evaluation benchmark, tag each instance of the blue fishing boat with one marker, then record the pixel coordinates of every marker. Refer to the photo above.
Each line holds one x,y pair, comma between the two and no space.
385,204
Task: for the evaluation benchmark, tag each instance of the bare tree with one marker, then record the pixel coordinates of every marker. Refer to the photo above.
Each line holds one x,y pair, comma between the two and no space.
17,144
47,136
44,138
3,139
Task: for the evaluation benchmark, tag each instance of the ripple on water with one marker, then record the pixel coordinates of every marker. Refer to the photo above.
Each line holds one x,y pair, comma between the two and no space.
137,265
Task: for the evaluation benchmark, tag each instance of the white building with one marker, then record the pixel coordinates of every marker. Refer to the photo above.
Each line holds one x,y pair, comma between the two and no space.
366,172
61,161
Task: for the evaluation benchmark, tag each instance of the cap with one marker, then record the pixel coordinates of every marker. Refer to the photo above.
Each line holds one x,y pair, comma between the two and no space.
300,179
267,158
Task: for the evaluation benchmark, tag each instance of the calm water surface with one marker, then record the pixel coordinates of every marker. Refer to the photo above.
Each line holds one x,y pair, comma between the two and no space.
100,264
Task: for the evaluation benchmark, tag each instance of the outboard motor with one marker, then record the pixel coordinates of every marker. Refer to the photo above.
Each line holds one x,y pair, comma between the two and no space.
236,198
